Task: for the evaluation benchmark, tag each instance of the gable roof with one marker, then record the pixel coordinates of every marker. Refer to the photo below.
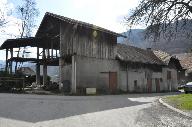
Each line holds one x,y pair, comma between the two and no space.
133,54
186,61
169,59
164,56
80,23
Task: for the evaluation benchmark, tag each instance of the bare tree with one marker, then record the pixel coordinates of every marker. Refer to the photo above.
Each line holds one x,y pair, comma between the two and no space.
27,13
2,18
159,15
5,11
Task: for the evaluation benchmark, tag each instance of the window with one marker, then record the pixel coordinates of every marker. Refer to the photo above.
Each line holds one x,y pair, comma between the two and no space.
168,74
135,84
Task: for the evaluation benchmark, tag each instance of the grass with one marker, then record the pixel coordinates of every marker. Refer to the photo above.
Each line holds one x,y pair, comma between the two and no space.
182,101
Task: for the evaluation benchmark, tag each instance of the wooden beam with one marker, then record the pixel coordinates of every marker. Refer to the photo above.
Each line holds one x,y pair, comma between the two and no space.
38,69
44,69
6,66
56,53
44,74
51,49
11,51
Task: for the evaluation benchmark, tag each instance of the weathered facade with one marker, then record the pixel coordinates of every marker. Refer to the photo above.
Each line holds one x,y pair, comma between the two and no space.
142,71
172,61
88,56
91,58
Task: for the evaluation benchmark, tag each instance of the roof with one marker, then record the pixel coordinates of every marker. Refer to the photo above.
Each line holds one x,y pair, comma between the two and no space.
133,54
19,42
165,57
30,41
168,59
185,60
83,24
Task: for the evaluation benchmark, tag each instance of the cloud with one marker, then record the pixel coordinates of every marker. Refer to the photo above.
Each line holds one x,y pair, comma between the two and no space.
107,13
11,29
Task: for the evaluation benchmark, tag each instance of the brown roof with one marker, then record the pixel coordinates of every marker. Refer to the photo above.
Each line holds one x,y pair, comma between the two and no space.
133,54
84,24
185,60
165,57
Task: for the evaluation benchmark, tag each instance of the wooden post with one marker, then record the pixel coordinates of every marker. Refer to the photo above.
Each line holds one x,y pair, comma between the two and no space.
38,69
51,49
44,68
56,53
23,84
11,51
48,53
6,66
44,74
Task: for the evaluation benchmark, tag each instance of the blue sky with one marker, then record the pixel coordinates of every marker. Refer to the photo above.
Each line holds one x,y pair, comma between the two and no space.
108,14
105,13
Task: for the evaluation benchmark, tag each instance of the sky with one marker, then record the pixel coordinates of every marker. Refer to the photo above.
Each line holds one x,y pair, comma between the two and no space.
108,14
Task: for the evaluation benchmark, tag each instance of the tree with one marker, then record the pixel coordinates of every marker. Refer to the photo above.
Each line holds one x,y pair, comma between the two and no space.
5,11
161,15
27,13
2,18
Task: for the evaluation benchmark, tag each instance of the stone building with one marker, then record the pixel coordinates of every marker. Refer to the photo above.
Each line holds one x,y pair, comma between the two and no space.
88,56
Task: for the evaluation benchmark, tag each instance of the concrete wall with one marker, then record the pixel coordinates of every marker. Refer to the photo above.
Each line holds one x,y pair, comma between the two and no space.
65,74
85,72
141,75
169,84
93,72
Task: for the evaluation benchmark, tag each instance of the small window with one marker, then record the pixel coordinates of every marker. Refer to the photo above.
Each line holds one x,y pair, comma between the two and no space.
135,84
168,74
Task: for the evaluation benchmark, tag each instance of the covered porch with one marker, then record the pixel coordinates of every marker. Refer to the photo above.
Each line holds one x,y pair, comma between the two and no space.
45,52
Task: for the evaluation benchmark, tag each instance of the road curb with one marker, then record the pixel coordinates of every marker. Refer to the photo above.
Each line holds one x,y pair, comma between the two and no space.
174,109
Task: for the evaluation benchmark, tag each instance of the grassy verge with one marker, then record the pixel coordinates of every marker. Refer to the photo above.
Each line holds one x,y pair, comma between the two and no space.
182,101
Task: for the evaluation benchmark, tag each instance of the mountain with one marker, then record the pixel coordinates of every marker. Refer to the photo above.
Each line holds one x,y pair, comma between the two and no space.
2,64
135,37
180,41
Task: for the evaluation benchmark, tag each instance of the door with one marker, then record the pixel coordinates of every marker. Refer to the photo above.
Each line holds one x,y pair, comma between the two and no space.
157,85
113,82
149,85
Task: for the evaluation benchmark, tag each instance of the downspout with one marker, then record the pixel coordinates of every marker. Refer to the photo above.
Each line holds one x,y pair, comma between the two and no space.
127,78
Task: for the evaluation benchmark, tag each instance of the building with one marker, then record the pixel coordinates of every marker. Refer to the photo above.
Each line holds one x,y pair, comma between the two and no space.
88,56
174,61
142,71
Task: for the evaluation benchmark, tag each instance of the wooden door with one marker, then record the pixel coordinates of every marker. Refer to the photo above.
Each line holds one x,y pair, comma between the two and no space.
113,82
149,85
157,85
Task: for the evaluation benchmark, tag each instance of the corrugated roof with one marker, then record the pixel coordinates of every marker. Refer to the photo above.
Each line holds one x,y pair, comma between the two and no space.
133,54
84,24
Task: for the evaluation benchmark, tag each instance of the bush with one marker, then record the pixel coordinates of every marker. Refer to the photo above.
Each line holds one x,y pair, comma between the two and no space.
31,79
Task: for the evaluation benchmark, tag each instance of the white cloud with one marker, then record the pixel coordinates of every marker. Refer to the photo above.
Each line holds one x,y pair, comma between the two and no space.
11,29
107,13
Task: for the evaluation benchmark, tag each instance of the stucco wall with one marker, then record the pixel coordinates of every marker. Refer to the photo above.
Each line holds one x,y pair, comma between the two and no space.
141,75
93,72
170,85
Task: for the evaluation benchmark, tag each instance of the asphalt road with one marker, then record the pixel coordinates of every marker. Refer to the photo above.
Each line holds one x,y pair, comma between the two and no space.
87,111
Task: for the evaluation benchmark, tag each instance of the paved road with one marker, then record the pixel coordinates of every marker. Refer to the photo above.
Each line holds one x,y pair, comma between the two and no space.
87,111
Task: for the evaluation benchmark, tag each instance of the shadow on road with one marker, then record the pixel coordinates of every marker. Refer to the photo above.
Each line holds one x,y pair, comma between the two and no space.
35,108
